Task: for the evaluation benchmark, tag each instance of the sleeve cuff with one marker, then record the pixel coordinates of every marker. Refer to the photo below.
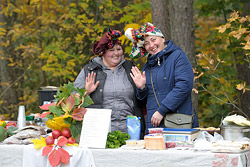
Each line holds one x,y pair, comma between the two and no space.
163,110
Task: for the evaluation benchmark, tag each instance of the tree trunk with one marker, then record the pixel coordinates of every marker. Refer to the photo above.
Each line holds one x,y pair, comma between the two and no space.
244,74
175,20
160,16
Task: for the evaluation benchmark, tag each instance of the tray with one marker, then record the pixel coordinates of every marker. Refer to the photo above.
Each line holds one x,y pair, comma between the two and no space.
229,151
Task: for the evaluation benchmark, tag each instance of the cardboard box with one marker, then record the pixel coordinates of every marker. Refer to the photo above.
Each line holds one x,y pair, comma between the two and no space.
154,142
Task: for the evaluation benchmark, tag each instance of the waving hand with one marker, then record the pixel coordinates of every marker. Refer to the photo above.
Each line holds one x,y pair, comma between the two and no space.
90,84
138,77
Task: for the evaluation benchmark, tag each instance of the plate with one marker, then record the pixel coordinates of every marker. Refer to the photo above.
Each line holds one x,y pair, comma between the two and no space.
127,147
226,150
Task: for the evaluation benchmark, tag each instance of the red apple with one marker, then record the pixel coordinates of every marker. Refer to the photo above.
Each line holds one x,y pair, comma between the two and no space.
56,133
66,132
49,140
71,140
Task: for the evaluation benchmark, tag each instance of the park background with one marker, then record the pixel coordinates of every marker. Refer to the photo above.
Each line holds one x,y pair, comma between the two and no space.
47,42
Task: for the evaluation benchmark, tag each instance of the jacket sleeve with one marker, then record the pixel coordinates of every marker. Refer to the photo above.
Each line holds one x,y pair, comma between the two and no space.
141,94
80,80
183,84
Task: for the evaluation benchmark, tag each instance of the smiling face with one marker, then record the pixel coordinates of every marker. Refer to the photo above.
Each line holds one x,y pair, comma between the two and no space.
154,44
113,56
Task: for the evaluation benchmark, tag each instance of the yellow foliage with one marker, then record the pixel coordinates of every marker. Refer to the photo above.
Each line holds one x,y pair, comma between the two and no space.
246,45
238,33
71,63
234,16
75,144
241,87
222,80
39,143
133,25
58,123
11,64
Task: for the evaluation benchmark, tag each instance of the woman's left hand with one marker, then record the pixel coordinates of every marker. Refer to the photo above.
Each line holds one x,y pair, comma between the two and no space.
90,84
156,119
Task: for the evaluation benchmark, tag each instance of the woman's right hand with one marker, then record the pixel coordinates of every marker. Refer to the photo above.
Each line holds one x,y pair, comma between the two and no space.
138,77
90,85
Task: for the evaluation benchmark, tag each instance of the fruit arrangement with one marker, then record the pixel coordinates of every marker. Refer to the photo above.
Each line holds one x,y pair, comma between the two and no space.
50,140
65,120
7,129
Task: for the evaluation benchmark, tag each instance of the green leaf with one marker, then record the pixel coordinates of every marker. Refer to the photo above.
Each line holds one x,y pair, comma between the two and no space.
87,101
55,110
68,120
76,129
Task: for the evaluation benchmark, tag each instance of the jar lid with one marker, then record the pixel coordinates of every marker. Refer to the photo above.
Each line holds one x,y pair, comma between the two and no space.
29,118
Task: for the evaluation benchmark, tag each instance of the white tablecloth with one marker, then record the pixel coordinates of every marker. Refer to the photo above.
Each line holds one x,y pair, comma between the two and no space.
168,158
27,156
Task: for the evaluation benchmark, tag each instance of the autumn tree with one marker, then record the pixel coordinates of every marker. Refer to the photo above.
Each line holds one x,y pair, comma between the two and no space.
48,42
222,54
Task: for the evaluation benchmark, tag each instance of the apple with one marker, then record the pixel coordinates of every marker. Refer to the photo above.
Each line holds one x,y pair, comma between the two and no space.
49,140
56,133
66,132
71,140
2,123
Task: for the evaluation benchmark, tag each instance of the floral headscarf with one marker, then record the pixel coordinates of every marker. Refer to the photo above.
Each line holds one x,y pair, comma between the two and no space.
108,40
138,36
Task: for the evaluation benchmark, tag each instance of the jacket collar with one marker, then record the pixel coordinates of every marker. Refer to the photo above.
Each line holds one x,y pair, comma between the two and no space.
153,60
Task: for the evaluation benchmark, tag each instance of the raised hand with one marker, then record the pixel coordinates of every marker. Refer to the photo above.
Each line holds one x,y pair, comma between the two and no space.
90,85
138,77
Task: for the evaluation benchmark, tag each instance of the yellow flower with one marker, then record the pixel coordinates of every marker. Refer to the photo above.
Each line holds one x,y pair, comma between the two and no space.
58,123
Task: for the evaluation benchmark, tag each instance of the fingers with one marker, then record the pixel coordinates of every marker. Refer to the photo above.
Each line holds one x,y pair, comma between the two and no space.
135,70
96,84
91,77
143,74
155,122
156,119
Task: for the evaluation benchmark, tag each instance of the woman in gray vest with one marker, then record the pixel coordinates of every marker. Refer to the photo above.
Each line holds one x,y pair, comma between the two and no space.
108,82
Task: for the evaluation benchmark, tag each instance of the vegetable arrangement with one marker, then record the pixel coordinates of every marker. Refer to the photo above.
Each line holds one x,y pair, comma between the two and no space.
116,139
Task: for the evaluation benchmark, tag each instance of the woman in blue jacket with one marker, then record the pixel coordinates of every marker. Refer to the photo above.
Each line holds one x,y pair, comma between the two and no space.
171,71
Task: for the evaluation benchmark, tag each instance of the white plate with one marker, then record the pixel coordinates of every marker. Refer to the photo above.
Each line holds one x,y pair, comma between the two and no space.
226,150
127,147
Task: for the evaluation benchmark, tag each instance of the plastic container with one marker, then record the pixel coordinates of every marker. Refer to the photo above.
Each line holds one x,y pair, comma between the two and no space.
30,120
21,120
135,143
155,130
